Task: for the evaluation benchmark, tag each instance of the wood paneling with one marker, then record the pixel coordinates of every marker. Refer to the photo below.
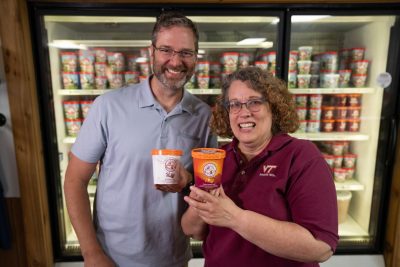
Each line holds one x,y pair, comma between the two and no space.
15,256
20,78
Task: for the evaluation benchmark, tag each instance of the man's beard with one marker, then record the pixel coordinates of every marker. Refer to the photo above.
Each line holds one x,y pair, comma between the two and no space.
159,72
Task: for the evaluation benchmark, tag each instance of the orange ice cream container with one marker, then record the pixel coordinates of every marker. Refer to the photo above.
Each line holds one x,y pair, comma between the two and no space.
208,164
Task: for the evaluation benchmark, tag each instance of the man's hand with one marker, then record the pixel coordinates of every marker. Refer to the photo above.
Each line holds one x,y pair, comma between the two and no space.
182,177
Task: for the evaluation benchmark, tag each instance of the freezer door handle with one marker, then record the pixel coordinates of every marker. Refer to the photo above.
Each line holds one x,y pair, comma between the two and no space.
3,120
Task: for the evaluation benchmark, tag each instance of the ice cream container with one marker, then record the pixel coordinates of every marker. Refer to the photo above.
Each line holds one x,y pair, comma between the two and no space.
357,53
340,125
70,80
344,78
314,113
315,67
87,80
85,106
230,61
349,173
100,55
354,100
329,80
71,109
301,113
337,148
349,160
116,61
271,61
329,62
304,66
360,66
293,56
244,60
131,77
301,101
73,126
305,52
208,164
339,175
203,68
69,61
292,79
343,203
144,68
100,68
358,80
314,81
327,125
353,125
315,101
132,64
165,162
116,80
353,112
86,61
203,81
337,161
327,112
341,113
340,100
261,64
101,82
303,80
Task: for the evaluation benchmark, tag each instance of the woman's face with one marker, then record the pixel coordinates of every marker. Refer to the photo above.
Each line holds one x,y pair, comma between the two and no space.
251,128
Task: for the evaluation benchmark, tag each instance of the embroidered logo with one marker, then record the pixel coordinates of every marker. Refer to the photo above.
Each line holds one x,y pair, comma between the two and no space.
268,170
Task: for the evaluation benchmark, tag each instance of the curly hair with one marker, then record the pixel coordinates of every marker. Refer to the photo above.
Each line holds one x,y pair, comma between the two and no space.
284,115
170,19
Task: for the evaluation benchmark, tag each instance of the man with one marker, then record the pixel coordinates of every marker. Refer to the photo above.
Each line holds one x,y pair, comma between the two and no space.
137,224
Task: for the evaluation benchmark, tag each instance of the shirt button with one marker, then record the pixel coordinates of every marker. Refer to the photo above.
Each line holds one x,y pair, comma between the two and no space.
242,172
241,161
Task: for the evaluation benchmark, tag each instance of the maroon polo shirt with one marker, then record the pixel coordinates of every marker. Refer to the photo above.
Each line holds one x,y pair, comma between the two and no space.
288,181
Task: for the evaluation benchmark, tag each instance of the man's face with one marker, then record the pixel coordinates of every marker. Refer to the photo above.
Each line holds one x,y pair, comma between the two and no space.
173,71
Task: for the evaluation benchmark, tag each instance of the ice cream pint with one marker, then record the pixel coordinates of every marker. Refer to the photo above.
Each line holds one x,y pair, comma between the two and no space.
207,165
165,162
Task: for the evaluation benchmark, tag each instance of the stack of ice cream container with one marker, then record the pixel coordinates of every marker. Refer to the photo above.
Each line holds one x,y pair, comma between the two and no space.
328,113
330,69
210,73
99,68
75,111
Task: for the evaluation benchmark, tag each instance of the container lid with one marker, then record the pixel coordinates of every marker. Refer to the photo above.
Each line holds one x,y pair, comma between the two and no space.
208,153
343,195
170,152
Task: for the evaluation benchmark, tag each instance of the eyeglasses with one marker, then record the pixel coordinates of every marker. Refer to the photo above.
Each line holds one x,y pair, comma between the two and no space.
253,105
169,52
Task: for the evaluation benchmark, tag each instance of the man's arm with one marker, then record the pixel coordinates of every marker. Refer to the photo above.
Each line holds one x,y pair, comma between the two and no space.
76,181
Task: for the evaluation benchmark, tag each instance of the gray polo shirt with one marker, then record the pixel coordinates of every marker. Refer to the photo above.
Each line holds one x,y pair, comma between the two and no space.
137,224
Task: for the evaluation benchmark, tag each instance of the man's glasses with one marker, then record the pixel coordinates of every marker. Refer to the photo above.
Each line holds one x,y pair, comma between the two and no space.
169,52
253,105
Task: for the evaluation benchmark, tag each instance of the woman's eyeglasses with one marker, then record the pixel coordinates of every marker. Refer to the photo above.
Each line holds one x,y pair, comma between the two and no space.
169,52
253,105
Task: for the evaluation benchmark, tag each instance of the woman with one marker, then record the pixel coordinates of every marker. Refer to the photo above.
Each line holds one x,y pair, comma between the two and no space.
277,203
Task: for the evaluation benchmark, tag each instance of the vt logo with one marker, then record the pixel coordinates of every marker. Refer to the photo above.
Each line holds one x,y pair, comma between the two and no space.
268,170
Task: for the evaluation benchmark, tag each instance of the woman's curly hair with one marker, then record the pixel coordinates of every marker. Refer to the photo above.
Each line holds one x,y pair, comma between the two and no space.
274,90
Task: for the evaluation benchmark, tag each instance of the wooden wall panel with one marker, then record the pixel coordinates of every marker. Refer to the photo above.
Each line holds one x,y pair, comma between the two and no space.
20,78
15,256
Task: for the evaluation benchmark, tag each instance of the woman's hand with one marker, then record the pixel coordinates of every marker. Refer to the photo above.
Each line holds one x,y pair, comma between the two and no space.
214,207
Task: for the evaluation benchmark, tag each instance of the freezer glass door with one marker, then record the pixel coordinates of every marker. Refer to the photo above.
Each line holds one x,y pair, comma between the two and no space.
91,55
333,69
